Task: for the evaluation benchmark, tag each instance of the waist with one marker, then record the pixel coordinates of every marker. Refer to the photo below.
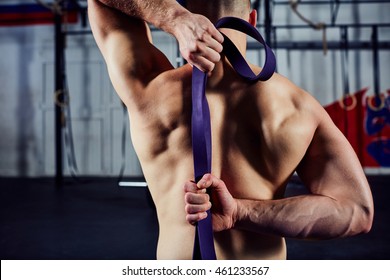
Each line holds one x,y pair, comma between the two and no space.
177,241
244,245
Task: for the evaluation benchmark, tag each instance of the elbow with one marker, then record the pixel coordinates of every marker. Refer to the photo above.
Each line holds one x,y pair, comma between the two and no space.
362,221
367,219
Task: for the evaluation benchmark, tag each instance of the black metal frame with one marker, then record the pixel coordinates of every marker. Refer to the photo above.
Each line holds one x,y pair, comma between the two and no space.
344,44
373,44
59,37
270,29
334,4
59,90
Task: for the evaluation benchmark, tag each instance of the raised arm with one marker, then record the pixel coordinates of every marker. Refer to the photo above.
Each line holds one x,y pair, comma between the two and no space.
199,41
127,48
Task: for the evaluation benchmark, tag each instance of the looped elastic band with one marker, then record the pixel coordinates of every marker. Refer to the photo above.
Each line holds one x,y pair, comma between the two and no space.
201,127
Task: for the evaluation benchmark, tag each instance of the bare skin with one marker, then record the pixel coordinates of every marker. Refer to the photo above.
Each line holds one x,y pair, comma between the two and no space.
262,134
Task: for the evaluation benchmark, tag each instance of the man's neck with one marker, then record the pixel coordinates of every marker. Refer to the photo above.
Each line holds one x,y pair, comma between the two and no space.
223,68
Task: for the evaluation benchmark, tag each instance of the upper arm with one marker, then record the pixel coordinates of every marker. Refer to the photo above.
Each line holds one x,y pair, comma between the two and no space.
126,45
331,168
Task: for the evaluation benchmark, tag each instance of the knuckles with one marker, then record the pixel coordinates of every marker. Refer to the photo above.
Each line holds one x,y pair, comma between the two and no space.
196,198
194,48
189,186
194,218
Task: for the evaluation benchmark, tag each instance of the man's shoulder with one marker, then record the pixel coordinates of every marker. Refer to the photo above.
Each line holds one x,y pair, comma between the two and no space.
288,109
285,97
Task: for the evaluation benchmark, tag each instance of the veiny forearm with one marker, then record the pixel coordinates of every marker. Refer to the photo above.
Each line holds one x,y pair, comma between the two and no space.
308,216
160,13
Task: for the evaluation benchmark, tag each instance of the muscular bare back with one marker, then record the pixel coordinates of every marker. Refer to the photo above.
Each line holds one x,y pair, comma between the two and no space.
261,134
253,130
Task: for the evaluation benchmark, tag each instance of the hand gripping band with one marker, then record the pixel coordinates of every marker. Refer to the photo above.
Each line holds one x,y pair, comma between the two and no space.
201,127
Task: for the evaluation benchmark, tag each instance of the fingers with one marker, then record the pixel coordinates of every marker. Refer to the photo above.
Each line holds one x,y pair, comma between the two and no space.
202,63
197,203
209,180
191,186
194,218
202,55
217,36
202,45
213,43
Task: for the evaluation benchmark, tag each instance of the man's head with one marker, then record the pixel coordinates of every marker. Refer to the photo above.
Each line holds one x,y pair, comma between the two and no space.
216,9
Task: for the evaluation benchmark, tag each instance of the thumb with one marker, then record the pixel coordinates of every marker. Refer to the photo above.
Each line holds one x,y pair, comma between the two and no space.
210,181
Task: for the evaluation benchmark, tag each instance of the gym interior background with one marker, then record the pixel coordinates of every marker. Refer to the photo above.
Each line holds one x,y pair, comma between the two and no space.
65,143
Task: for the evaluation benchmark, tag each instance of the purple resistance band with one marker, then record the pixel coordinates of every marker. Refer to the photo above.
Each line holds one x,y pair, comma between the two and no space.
201,127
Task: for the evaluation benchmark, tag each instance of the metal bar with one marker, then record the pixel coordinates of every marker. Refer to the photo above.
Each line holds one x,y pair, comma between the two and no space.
324,2
305,26
318,45
344,59
79,32
376,78
274,27
267,22
82,11
375,57
334,10
59,87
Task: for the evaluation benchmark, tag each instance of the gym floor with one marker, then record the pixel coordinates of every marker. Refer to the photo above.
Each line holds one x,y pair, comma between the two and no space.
93,218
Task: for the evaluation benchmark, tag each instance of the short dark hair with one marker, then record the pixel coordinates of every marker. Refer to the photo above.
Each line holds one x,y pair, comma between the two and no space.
215,9
183,2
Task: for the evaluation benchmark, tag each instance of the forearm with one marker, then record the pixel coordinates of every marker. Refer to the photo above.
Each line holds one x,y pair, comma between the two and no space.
308,216
161,13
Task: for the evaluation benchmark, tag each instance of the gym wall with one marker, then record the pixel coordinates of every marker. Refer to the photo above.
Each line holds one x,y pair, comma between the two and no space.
27,142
